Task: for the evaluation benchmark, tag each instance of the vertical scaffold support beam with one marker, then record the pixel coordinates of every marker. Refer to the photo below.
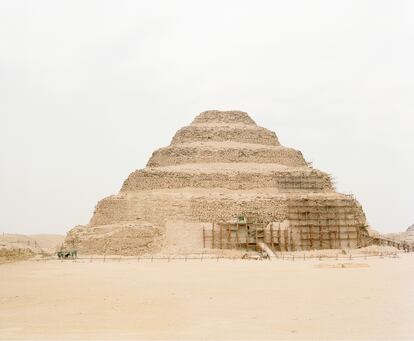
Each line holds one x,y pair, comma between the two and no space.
320,236
330,236
278,238
285,235
358,237
349,240
310,237
212,237
229,244
271,236
247,237
237,235
339,236
221,236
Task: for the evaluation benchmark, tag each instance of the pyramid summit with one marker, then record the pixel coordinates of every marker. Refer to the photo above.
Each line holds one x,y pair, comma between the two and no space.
225,136
221,167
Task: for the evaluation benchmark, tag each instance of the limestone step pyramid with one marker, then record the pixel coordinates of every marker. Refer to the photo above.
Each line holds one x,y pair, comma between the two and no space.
220,167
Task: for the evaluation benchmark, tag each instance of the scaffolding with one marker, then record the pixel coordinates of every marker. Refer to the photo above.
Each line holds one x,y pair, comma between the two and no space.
309,225
280,238
238,235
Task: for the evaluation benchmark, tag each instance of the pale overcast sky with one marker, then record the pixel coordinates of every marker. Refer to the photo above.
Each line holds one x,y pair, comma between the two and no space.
89,89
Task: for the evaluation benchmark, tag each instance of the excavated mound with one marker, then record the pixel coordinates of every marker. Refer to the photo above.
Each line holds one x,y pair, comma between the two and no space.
119,238
219,167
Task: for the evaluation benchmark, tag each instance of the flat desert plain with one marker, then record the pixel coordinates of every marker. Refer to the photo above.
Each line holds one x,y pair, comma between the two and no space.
225,299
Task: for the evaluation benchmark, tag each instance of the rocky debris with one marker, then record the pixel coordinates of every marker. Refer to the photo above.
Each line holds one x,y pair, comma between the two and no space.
379,250
10,253
126,238
13,249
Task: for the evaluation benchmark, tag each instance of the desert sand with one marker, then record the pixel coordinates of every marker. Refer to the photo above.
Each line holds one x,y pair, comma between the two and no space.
243,299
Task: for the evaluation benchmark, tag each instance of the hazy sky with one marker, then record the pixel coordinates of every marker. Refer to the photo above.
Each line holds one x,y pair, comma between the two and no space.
89,89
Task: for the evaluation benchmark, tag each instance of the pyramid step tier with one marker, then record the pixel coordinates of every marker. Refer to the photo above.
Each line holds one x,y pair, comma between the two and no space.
220,133
304,180
209,205
216,152
224,117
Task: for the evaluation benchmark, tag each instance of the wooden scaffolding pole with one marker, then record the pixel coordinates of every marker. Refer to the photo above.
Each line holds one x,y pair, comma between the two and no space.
330,236
320,236
310,237
271,236
247,238
221,236
229,245
358,236
285,235
237,236
320,229
338,236
349,241
212,237
278,237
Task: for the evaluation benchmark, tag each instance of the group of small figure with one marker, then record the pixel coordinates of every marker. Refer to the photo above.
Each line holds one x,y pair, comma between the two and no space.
67,254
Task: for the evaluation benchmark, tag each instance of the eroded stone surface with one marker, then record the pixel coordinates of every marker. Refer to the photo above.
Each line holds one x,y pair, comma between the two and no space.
219,167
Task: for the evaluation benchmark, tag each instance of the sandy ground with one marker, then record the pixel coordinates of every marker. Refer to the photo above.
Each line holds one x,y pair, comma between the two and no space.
225,299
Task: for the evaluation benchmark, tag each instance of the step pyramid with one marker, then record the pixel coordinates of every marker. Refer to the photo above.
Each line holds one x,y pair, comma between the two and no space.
221,166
